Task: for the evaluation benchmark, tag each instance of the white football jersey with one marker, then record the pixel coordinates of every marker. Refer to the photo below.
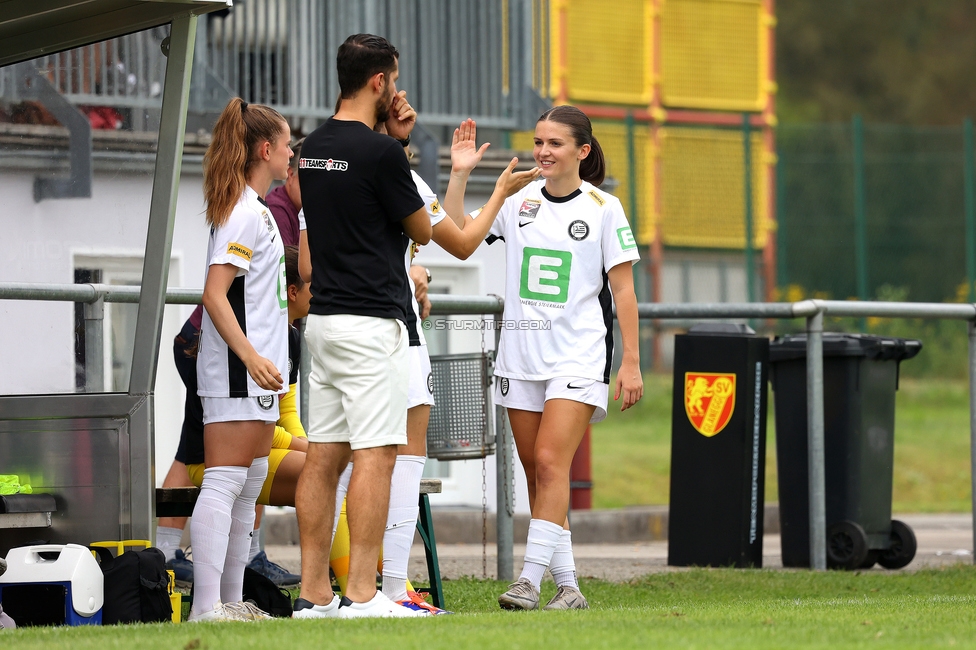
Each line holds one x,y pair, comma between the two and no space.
436,214
558,319
259,297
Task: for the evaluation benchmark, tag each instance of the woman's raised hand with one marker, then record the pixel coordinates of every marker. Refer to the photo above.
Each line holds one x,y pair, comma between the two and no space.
465,154
512,181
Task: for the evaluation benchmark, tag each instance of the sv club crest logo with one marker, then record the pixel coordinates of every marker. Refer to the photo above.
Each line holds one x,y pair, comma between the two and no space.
709,401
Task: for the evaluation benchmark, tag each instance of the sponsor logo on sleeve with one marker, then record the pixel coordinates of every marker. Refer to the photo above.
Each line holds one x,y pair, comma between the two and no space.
430,383
626,238
600,201
435,207
243,252
578,230
327,164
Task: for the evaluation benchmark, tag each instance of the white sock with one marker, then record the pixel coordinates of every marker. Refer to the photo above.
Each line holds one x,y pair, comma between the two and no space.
255,545
401,522
168,540
341,490
562,566
541,544
241,531
210,528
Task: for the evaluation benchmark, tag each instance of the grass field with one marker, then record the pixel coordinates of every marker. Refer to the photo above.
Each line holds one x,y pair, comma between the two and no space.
632,450
718,608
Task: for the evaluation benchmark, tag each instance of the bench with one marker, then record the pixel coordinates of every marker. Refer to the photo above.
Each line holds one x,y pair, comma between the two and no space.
27,510
179,502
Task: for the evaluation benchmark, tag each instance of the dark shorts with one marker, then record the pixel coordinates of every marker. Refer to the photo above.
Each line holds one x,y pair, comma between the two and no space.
185,347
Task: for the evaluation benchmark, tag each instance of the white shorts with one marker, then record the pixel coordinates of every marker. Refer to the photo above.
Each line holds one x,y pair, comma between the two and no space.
421,389
358,383
533,395
236,409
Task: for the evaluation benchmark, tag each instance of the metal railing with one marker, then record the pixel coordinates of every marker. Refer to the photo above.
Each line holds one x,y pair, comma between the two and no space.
458,59
813,311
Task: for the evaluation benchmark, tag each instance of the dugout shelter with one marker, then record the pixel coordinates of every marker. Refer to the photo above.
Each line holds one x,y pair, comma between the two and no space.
95,450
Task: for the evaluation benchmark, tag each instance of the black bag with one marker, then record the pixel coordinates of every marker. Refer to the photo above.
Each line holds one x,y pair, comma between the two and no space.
135,587
266,594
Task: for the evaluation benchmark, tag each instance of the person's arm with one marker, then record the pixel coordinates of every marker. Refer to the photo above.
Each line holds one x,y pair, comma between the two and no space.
418,274
289,423
304,257
465,156
417,226
219,278
461,243
630,384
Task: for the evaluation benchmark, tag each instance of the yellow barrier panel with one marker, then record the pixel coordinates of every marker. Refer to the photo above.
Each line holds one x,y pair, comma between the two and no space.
608,51
703,202
713,54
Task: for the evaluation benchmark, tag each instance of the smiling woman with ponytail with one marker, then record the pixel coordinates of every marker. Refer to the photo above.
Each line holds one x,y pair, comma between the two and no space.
569,252
243,349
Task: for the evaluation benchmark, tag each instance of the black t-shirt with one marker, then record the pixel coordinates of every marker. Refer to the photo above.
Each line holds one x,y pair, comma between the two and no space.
356,189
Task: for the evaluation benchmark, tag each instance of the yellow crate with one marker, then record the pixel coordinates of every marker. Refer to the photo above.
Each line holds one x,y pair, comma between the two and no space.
608,51
702,195
714,54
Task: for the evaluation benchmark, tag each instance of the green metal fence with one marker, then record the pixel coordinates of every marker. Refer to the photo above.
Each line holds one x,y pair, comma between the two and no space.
865,210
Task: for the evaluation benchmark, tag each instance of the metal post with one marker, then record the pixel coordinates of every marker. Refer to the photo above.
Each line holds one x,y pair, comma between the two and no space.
860,226
162,206
782,274
747,197
504,490
94,346
972,420
815,443
970,207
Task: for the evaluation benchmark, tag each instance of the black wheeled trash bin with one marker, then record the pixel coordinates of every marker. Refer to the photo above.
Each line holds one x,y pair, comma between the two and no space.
718,447
860,379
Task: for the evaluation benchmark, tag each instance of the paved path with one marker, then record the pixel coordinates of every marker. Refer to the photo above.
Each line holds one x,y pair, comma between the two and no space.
942,539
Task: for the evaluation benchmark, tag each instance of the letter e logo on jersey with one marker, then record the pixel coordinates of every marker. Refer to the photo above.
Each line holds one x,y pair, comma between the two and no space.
709,401
545,275
626,238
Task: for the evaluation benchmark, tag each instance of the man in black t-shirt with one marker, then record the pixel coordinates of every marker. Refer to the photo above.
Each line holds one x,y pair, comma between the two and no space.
361,208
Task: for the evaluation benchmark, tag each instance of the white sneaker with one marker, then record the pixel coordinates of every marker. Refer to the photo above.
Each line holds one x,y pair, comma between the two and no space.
220,612
379,606
307,609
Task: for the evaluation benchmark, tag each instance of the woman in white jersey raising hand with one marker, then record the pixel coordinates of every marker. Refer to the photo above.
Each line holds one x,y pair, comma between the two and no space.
569,252
243,353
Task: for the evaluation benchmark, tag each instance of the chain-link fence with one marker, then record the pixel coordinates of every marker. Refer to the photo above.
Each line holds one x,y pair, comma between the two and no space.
865,210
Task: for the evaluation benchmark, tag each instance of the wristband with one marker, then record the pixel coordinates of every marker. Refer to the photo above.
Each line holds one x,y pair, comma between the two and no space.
405,142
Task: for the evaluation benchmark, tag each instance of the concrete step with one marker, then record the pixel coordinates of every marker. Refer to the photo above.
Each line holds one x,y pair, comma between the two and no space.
466,525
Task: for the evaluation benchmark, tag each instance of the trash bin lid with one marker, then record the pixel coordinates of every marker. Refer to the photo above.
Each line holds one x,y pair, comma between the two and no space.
721,329
836,344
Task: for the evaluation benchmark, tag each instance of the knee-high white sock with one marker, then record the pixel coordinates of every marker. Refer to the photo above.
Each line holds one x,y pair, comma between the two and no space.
168,541
541,544
255,544
341,489
241,529
562,566
210,528
401,523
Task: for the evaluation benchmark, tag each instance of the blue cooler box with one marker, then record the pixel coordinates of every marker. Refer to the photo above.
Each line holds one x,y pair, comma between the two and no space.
52,584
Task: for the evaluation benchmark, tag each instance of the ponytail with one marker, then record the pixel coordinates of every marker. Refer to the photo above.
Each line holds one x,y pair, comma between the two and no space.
593,168
240,128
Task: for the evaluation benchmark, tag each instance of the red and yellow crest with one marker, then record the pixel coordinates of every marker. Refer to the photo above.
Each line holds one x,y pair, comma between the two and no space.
709,400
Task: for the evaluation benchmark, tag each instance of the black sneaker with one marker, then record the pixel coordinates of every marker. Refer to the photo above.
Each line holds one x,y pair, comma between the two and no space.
182,568
273,572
